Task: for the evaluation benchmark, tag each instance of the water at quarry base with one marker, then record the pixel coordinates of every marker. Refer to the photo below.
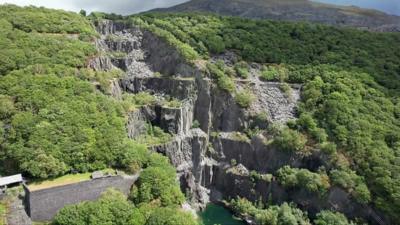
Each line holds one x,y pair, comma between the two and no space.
218,215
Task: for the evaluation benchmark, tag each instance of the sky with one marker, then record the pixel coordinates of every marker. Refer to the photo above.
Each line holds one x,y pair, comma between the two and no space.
126,7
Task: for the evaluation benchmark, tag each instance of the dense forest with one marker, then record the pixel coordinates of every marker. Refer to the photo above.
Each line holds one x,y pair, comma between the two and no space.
53,120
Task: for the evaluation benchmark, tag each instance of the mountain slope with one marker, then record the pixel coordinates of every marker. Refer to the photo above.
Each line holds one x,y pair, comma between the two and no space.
295,10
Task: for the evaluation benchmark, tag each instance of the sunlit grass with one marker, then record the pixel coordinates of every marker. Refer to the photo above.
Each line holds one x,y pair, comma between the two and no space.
2,213
63,180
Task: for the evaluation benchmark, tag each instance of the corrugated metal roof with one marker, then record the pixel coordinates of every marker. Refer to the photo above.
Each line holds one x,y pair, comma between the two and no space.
10,180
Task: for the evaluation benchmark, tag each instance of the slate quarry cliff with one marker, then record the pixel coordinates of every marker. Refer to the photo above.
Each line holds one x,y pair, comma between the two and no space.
212,155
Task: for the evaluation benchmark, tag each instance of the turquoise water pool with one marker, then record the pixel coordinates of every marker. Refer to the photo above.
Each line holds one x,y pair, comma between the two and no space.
218,215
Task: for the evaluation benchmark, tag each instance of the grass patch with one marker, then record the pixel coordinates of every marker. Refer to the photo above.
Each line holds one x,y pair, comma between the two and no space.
140,99
59,181
145,99
173,103
3,211
242,69
237,136
64,180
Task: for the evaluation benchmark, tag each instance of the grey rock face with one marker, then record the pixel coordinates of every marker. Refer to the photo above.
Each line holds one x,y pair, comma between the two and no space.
271,99
136,124
121,47
177,88
187,154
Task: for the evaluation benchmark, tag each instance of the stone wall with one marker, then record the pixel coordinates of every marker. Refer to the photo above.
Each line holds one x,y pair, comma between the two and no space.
43,205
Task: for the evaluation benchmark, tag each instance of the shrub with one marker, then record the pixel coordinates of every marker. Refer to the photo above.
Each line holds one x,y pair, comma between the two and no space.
242,69
135,157
154,136
287,90
237,136
111,208
158,183
226,83
328,148
327,217
171,216
141,99
173,103
290,140
244,98
283,214
243,206
269,73
353,183
196,124
293,177
307,123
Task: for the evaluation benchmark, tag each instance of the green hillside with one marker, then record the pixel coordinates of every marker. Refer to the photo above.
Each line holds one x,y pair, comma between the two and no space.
53,120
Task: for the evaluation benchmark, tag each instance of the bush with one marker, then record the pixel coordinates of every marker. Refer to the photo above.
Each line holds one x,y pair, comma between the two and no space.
290,140
243,206
242,69
111,208
244,98
283,214
331,218
196,124
154,136
237,136
135,157
287,90
293,177
171,216
140,99
224,82
173,103
328,148
353,183
308,124
269,73
158,183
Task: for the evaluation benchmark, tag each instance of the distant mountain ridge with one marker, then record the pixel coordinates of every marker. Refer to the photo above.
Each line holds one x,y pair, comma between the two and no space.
295,10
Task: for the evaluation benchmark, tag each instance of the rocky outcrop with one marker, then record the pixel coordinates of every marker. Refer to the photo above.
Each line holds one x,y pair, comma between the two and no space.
233,181
181,89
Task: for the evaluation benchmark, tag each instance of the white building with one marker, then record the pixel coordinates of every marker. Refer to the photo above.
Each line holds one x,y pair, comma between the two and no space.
14,179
